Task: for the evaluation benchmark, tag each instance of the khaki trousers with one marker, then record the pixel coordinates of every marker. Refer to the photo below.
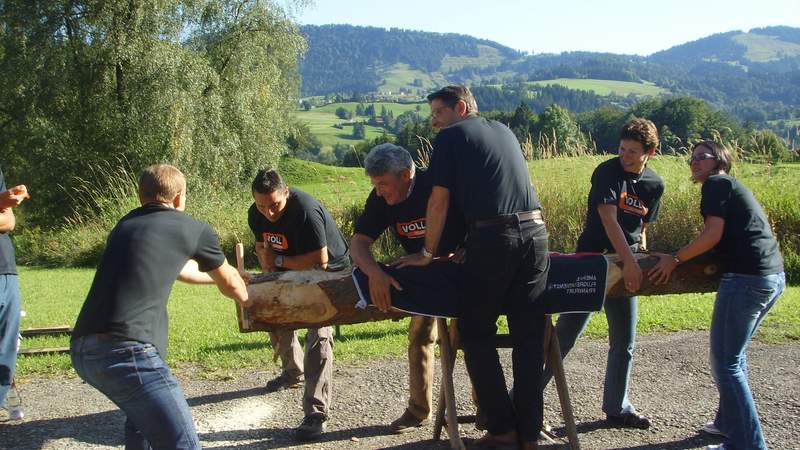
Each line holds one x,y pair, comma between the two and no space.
317,365
421,339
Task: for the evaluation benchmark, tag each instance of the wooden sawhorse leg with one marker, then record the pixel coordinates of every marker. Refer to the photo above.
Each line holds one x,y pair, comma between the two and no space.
446,411
448,343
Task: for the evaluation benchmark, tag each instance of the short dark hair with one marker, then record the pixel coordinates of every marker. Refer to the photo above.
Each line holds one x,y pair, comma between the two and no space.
642,131
268,181
450,95
721,154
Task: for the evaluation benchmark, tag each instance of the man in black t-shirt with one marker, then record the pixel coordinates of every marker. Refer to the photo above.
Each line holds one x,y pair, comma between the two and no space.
398,202
119,343
625,196
293,231
9,290
477,164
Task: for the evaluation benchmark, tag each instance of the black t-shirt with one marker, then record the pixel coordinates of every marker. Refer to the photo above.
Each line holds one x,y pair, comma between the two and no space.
305,226
407,218
144,254
7,264
481,163
747,245
636,196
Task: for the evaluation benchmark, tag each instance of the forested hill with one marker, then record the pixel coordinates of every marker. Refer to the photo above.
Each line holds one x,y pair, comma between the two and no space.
346,58
755,74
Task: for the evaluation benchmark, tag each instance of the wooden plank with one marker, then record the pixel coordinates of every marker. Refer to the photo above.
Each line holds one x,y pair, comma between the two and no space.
39,351
46,331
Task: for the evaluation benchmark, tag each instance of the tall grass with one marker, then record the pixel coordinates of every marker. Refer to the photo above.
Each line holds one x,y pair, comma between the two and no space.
562,184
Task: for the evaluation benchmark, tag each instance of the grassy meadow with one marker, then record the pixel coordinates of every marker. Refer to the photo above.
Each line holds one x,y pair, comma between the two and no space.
321,121
605,87
203,323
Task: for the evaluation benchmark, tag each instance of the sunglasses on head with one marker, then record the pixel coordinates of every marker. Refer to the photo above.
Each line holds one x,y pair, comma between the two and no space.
701,157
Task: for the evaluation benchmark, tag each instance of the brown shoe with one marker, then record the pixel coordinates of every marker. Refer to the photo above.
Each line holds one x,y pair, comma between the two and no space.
629,420
283,381
407,422
507,441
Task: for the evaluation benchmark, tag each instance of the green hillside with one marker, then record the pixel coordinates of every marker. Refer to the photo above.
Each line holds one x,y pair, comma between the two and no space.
606,87
764,48
321,121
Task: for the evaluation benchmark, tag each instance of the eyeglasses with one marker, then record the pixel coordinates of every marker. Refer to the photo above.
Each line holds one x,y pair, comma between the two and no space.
700,157
437,111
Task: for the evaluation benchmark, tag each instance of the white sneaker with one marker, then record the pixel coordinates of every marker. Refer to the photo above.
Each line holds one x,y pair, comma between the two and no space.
715,447
710,428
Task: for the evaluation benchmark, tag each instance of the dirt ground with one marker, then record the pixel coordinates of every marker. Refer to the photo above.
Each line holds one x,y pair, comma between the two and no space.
671,384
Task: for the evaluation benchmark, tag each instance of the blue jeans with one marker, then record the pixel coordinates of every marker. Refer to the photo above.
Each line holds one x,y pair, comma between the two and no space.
133,376
742,303
622,316
9,331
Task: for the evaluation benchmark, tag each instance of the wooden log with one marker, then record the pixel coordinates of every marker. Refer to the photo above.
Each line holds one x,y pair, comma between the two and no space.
315,298
697,275
306,299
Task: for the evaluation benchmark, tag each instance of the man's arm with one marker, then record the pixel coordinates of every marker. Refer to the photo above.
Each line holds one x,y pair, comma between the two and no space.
379,281
191,274
438,204
631,271
7,220
230,283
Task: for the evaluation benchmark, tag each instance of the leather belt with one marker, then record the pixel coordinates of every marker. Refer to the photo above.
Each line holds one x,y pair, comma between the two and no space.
510,219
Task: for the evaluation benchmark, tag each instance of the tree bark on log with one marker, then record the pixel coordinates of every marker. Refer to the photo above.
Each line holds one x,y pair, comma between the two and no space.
315,298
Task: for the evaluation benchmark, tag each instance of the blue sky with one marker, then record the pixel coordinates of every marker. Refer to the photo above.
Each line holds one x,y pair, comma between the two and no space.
617,26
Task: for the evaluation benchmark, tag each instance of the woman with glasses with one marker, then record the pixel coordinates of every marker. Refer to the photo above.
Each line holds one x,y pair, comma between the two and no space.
752,280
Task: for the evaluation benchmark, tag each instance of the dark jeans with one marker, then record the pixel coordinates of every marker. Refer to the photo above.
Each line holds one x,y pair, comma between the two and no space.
506,271
133,376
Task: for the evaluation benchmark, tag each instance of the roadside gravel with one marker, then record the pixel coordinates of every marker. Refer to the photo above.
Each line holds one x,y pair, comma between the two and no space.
671,384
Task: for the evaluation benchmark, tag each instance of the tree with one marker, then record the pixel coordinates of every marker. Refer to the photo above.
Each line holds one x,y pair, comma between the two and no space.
344,113
359,131
558,133
85,83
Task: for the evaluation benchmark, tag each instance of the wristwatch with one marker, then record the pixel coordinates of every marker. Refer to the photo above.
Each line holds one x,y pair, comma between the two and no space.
676,258
426,253
279,261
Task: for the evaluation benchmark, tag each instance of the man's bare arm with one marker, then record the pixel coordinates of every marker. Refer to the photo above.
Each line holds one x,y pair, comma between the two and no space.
230,283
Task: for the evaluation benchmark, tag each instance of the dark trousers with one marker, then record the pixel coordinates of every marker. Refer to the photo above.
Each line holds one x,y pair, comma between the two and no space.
506,271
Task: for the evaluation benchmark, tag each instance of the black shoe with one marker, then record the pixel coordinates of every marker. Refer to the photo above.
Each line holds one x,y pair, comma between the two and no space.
283,381
311,428
629,420
407,422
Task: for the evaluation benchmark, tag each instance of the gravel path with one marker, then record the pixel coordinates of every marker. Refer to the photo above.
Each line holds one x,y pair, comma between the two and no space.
671,384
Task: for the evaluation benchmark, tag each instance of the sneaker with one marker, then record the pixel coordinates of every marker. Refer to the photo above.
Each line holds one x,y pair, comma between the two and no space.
282,382
715,447
407,422
11,414
311,428
710,428
629,420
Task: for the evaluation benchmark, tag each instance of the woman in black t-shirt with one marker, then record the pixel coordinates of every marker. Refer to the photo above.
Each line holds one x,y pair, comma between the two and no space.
752,280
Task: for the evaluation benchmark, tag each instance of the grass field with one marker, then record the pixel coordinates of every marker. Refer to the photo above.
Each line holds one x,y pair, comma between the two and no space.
605,87
761,48
203,327
203,324
321,121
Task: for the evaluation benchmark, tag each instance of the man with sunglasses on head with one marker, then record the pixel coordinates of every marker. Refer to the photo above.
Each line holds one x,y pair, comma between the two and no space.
624,197
478,166
293,231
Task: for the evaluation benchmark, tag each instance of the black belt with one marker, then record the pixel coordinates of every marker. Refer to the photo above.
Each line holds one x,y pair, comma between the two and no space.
510,219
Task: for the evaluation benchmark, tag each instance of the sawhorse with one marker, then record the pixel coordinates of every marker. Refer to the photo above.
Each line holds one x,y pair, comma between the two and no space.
446,416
